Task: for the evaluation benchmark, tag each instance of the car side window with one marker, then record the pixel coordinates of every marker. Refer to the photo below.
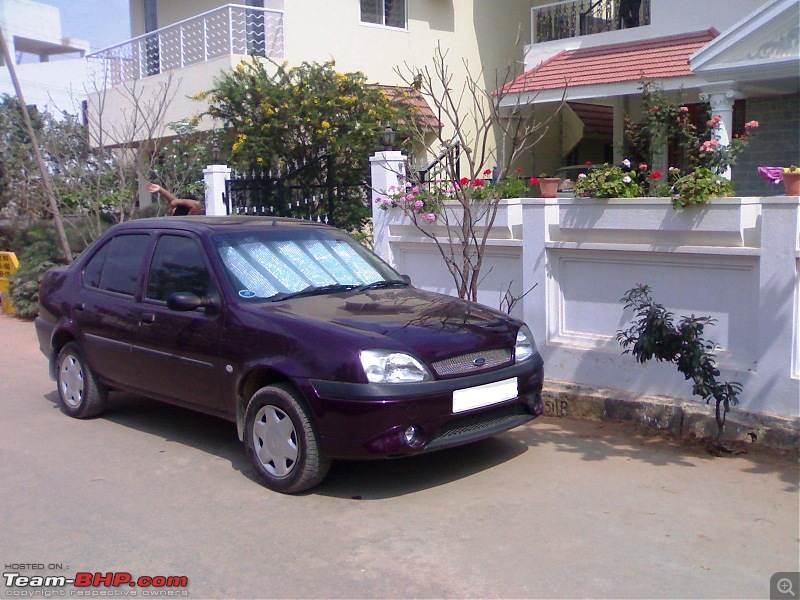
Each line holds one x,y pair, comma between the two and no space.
94,268
117,267
177,266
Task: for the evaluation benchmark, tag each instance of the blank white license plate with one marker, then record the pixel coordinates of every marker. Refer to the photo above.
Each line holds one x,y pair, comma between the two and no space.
484,395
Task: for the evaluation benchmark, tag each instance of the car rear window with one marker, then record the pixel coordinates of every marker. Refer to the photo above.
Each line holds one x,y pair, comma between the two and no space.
117,266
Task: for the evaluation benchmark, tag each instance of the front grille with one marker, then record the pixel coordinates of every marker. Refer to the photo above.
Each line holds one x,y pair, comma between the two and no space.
487,420
459,365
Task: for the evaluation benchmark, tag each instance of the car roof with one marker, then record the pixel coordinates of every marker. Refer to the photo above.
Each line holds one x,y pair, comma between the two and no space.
209,224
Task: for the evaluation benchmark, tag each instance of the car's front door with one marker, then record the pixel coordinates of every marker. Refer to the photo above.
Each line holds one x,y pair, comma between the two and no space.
178,352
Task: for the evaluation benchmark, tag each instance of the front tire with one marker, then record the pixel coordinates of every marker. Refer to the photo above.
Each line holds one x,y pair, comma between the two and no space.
282,442
80,395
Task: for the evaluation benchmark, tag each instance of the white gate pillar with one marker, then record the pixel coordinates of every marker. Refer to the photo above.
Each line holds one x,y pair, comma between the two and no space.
215,177
388,171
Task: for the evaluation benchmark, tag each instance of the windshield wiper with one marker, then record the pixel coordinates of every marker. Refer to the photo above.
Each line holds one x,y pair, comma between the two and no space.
381,284
313,290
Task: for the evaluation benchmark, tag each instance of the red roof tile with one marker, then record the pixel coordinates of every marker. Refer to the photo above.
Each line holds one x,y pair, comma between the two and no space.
657,58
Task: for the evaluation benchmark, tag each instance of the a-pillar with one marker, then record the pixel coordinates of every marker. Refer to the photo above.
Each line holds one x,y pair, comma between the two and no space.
721,98
215,177
388,172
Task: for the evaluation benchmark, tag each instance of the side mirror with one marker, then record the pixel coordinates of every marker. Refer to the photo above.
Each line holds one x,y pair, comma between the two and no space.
406,278
187,301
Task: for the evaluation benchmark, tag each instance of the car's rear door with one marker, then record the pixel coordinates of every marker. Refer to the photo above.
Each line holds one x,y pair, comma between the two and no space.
177,353
105,306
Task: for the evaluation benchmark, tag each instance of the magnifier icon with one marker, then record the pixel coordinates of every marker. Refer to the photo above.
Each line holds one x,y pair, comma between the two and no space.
784,586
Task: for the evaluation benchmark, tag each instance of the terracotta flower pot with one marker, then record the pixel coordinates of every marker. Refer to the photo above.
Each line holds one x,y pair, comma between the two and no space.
791,183
548,186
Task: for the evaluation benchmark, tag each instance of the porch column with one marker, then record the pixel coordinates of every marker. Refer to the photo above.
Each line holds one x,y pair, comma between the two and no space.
721,99
215,177
619,129
388,171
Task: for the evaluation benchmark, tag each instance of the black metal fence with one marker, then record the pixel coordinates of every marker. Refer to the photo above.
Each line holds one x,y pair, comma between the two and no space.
583,17
290,195
444,168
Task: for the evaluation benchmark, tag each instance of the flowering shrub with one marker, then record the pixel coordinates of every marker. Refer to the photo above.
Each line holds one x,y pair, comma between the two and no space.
703,157
611,181
427,203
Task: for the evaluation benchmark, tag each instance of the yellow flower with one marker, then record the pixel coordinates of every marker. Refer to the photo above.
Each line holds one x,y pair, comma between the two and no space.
326,125
259,160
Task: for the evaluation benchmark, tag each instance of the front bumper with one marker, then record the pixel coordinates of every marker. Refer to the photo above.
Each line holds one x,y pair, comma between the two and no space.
368,420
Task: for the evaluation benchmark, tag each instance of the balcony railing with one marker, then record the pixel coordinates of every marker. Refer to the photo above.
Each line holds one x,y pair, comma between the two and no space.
232,29
575,18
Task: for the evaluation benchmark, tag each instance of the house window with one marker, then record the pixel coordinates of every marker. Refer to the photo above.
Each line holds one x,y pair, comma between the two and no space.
390,13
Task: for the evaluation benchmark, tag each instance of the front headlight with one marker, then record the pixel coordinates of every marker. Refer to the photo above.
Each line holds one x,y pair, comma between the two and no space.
525,346
386,366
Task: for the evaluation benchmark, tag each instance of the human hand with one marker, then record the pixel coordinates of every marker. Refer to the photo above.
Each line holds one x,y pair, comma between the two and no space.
153,188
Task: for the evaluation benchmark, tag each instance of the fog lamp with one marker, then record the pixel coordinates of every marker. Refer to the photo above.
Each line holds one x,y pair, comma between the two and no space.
411,435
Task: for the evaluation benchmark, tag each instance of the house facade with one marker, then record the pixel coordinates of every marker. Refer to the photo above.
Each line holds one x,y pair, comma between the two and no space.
33,35
189,44
738,56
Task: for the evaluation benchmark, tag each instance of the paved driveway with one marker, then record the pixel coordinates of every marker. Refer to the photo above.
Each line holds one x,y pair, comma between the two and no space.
558,508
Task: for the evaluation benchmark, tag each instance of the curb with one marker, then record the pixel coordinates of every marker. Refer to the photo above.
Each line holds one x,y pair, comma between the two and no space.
687,420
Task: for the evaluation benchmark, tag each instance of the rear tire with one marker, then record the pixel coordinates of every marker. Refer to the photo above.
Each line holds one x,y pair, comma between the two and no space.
282,442
80,395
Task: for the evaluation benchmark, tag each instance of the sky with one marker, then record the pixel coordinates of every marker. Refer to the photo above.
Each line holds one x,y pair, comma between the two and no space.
102,22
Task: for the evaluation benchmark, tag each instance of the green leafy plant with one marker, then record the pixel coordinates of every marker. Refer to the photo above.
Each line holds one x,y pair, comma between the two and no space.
610,181
697,186
653,334
308,115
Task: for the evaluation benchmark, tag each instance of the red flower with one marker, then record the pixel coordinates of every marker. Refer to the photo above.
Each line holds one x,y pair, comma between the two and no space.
588,163
464,180
487,172
518,171
751,125
534,180
655,175
478,183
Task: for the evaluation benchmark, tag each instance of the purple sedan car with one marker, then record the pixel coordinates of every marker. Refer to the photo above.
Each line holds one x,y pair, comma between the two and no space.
312,345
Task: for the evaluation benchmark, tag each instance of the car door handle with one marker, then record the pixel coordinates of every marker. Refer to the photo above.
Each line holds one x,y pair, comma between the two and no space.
147,319
80,306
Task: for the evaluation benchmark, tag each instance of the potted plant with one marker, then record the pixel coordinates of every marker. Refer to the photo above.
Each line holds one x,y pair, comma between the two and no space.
548,186
791,180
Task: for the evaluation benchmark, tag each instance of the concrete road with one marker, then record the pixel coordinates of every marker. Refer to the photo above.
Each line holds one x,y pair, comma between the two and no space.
556,509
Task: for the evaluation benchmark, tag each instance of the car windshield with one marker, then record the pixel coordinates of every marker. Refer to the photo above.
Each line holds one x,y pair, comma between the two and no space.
277,263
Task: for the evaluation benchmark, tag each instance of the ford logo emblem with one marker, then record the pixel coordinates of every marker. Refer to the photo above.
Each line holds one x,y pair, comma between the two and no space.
479,362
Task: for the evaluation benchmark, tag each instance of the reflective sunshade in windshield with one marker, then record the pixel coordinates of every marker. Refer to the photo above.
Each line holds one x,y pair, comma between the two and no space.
263,264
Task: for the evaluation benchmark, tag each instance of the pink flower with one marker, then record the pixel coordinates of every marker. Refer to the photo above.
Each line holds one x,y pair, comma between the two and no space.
626,179
714,121
751,125
709,146
534,180
582,176
430,217
684,109
655,175
419,204
642,167
378,200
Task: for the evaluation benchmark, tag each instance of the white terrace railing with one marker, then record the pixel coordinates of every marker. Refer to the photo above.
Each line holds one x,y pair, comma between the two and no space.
231,29
574,18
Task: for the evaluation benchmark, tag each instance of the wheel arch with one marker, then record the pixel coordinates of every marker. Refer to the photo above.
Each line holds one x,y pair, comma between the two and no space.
254,380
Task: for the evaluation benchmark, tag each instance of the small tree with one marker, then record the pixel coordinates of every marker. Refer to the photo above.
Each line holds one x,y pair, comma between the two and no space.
654,335
309,115
491,139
